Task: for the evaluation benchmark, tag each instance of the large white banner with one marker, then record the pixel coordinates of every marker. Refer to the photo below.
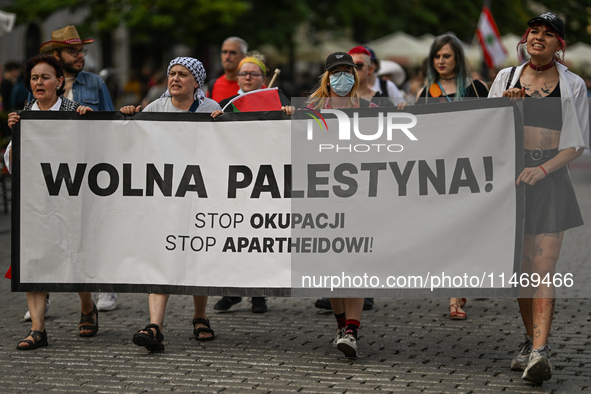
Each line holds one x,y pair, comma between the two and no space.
182,204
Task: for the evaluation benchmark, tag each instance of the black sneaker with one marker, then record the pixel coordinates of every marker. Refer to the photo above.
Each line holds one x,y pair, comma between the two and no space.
225,303
259,305
368,304
323,303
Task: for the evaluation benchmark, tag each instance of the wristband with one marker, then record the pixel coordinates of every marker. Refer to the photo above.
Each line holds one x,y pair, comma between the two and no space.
545,173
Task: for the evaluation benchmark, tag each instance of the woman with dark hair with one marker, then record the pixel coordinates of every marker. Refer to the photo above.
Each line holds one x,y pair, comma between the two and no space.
44,78
448,79
186,76
555,133
448,74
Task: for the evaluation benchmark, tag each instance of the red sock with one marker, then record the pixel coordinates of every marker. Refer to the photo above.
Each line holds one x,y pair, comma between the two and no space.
352,327
341,321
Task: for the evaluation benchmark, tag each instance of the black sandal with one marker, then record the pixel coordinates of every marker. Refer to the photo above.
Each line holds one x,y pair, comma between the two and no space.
88,318
147,338
198,330
39,338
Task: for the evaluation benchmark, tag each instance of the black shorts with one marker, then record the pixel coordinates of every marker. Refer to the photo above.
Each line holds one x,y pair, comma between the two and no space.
550,205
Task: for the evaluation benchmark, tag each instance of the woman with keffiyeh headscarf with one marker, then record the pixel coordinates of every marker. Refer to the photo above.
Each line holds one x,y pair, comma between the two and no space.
186,75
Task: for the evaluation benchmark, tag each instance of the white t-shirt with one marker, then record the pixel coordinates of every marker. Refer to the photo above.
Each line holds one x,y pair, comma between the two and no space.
393,92
164,104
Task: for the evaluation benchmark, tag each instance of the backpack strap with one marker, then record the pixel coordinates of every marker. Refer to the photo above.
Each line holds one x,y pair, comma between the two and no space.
210,87
384,87
510,78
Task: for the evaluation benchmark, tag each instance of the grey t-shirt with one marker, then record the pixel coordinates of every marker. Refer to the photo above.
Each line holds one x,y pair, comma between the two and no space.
164,104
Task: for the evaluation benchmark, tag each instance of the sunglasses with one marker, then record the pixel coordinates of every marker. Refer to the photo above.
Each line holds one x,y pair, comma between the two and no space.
359,66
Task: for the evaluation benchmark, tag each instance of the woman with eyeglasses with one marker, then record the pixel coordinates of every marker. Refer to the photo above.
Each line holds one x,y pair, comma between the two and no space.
556,131
448,74
251,76
44,78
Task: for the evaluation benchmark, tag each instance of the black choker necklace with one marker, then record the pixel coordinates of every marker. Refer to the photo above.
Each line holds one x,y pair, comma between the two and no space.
448,79
541,68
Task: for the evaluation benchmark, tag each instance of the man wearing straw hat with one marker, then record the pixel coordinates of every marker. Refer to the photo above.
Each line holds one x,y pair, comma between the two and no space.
83,87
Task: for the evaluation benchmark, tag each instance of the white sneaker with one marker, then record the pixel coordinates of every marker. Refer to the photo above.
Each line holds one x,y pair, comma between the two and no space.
106,301
340,333
539,367
348,345
47,303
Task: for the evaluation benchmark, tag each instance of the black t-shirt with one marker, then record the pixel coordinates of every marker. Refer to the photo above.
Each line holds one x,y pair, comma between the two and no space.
481,89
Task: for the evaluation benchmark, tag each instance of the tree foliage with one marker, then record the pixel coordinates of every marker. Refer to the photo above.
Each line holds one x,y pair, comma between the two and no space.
158,24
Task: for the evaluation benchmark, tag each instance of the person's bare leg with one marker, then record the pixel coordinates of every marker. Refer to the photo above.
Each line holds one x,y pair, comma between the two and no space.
546,255
157,305
353,308
338,305
36,303
200,303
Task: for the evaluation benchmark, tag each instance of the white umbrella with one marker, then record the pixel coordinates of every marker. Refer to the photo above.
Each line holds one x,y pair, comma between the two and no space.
6,22
388,67
400,47
579,56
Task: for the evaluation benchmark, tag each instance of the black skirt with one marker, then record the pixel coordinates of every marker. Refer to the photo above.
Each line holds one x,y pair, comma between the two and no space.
550,205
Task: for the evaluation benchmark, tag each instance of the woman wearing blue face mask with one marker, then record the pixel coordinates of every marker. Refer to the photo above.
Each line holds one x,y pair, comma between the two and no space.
338,89
338,85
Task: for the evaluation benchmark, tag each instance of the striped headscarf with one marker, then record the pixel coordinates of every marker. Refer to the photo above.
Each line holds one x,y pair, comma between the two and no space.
196,68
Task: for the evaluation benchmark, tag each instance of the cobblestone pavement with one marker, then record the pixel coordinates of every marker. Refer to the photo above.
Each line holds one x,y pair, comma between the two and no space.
406,345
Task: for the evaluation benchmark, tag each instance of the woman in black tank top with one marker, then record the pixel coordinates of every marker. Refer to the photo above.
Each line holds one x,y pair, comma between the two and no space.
551,205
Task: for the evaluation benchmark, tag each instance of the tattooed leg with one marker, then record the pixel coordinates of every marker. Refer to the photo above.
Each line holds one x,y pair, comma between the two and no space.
543,304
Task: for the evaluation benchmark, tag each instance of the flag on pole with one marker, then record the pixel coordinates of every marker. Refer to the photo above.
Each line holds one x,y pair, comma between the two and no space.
490,40
256,100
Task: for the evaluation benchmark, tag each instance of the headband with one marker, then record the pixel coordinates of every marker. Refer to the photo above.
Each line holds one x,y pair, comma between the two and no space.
255,61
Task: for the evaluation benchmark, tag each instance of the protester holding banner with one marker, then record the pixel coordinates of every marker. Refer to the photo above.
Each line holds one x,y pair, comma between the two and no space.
185,79
338,89
448,79
251,77
186,76
44,78
448,74
555,133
